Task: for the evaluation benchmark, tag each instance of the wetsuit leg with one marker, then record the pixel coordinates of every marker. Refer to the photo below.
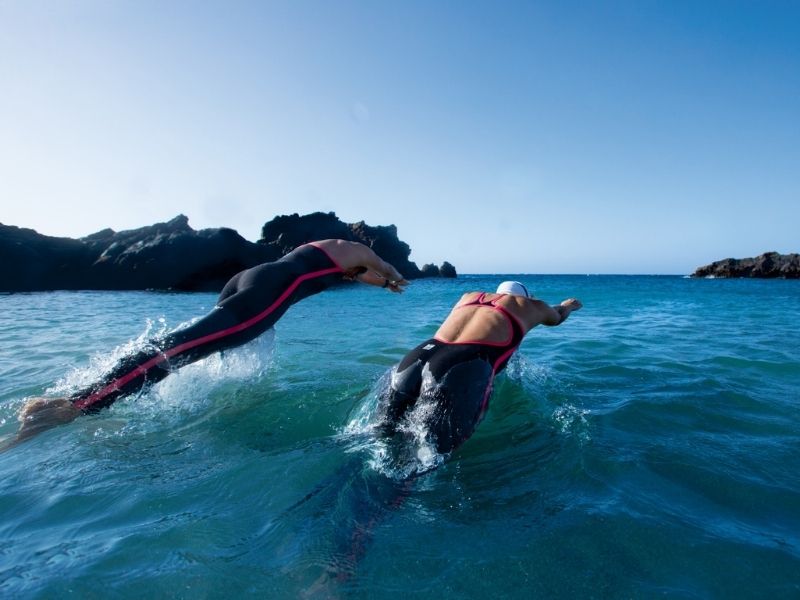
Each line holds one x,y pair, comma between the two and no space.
404,388
459,394
453,379
250,303
246,309
214,332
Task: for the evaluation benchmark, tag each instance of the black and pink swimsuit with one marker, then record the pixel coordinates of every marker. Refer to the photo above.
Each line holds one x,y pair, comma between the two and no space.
249,304
456,377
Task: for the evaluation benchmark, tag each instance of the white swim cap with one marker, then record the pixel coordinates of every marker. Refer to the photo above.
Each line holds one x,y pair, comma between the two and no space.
513,287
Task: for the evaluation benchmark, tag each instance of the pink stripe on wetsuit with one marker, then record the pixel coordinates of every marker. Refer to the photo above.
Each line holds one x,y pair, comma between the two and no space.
249,305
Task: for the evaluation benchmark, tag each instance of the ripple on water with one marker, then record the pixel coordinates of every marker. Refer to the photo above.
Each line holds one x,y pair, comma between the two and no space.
647,447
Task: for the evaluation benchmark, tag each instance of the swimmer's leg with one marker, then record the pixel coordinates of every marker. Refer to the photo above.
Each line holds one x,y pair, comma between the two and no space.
242,313
404,386
402,393
221,328
459,398
41,414
217,330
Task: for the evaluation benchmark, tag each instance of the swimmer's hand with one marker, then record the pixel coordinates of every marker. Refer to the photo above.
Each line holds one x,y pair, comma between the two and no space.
40,414
392,281
572,304
396,286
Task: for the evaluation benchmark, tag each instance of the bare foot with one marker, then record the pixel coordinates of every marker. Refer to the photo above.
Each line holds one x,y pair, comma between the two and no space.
40,414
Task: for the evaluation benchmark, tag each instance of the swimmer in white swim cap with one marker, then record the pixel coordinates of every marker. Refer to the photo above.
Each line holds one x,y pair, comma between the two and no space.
515,288
455,368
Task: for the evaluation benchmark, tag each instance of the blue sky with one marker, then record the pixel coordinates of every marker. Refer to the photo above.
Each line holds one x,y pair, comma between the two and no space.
539,137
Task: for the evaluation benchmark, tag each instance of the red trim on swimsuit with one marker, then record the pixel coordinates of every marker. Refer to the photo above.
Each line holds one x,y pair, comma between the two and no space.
491,304
512,319
488,391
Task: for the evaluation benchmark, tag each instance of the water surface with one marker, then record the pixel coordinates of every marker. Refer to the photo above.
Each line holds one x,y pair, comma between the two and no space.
648,447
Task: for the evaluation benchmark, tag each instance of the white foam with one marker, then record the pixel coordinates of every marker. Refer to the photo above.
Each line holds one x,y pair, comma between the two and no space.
572,421
187,388
409,452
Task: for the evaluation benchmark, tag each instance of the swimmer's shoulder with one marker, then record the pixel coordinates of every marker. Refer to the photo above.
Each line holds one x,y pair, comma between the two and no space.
467,297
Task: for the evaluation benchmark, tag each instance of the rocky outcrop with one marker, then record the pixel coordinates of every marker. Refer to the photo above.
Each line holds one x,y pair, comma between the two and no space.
286,232
769,265
172,255
446,270
30,261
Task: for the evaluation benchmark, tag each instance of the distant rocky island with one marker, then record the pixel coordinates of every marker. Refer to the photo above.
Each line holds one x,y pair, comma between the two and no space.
173,256
769,265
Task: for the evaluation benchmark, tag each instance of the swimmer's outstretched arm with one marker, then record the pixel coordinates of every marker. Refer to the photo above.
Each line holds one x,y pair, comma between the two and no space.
556,315
355,257
381,273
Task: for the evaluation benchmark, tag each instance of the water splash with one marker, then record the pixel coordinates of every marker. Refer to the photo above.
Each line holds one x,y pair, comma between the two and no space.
572,421
543,386
521,370
102,361
409,451
189,388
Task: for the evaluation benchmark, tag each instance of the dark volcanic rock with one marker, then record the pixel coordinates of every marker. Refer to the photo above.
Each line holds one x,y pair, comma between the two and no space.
769,265
384,241
430,270
447,270
168,255
30,261
172,255
286,232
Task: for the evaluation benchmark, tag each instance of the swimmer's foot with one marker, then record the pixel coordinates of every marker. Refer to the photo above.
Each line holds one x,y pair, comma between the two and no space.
40,414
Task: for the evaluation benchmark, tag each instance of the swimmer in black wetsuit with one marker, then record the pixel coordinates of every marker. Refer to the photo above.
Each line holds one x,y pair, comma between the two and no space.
453,371
250,303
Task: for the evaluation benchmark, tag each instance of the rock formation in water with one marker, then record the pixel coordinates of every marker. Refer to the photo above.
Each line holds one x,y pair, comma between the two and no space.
173,256
769,265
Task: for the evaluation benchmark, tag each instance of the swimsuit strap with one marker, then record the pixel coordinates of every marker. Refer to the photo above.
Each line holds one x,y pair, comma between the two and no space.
477,301
325,252
517,330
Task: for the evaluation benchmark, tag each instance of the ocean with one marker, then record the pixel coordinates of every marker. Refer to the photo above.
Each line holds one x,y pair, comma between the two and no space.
648,447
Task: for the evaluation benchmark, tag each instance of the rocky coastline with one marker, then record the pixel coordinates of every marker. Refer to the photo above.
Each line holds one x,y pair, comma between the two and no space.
770,265
173,256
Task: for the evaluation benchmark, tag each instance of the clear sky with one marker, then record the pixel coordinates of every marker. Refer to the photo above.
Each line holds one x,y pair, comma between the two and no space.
537,137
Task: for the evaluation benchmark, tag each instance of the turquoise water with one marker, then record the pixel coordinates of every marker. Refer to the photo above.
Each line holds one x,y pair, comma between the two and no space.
648,447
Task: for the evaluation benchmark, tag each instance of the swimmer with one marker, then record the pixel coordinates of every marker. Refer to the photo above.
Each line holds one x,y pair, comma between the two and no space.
454,370
249,304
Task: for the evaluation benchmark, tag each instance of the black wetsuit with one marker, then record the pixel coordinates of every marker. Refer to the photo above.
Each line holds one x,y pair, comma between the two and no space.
455,377
249,304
